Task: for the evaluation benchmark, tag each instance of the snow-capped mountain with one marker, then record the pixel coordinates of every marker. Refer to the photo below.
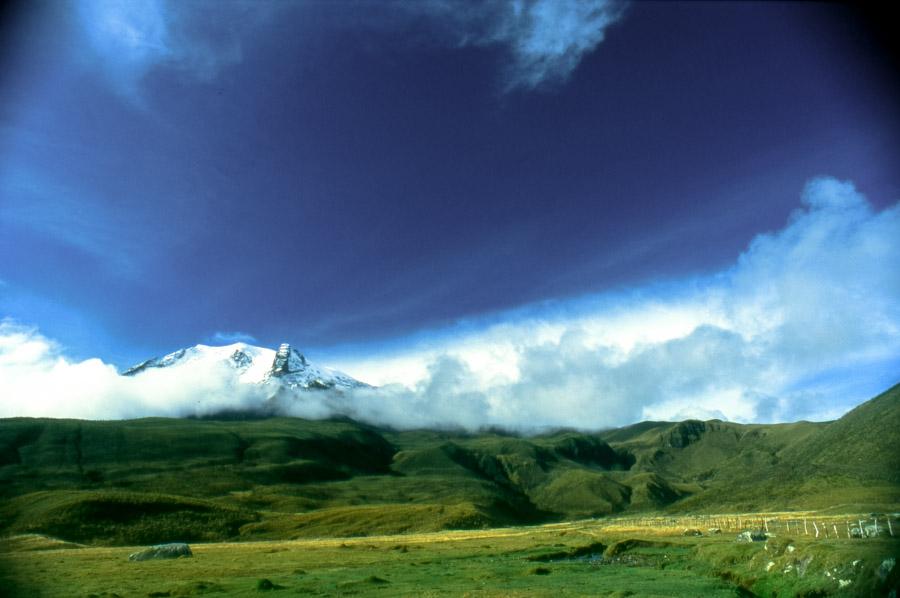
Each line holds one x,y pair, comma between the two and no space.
285,368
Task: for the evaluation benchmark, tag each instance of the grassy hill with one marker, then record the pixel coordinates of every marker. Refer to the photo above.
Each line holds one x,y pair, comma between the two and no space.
154,480
853,462
862,444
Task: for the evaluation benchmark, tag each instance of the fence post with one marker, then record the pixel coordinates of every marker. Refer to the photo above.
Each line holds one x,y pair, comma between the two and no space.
890,529
816,527
805,529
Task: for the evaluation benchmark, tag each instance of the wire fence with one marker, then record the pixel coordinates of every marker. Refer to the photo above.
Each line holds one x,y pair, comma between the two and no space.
870,525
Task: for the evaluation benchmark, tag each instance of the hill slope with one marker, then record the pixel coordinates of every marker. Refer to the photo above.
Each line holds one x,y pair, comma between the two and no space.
166,479
862,444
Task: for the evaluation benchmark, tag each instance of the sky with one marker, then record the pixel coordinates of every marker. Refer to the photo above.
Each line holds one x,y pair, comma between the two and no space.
510,213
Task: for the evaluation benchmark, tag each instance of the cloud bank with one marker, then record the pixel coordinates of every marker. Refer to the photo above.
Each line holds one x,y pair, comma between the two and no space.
38,380
805,324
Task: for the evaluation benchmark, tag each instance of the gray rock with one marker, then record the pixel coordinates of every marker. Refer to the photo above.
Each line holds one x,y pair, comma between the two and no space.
803,565
887,565
162,551
752,536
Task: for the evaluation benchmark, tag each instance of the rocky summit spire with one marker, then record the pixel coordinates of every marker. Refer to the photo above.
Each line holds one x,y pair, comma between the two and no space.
287,361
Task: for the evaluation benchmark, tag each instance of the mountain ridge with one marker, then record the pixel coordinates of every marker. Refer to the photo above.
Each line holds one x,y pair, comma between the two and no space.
284,477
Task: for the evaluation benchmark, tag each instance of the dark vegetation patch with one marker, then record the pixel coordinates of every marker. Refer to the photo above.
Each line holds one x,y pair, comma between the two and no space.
592,450
592,549
265,585
127,518
622,546
197,588
361,585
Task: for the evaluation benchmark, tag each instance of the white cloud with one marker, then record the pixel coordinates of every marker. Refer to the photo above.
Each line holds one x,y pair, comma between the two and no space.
38,380
806,324
545,40
802,304
549,38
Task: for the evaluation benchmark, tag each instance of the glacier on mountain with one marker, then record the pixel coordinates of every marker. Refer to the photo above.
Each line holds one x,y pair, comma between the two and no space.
285,368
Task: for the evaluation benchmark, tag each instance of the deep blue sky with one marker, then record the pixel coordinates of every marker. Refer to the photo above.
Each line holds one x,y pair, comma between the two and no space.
344,174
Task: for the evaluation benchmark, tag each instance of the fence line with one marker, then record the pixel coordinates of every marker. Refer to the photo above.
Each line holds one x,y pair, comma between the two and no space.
770,523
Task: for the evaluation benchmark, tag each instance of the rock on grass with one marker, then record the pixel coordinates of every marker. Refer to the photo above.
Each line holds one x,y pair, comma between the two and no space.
162,551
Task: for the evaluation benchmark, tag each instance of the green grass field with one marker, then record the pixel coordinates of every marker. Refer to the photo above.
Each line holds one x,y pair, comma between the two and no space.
587,558
257,496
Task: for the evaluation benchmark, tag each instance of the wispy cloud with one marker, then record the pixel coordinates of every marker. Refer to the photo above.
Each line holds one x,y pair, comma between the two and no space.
129,39
56,212
805,324
227,338
544,40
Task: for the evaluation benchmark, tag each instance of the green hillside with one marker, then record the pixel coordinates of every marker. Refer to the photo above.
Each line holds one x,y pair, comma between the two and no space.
153,480
862,444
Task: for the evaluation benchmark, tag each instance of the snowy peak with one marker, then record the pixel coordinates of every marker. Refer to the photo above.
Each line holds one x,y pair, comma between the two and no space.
239,356
240,359
292,370
285,367
155,362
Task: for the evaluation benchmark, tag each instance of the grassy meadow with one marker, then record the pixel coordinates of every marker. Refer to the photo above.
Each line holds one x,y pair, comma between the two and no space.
584,558
339,507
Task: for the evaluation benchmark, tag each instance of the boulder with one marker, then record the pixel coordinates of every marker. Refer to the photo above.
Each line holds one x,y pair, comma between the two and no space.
779,546
887,565
162,551
691,532
752,536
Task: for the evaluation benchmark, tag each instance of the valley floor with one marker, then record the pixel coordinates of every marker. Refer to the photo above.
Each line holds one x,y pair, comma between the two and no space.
585,558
